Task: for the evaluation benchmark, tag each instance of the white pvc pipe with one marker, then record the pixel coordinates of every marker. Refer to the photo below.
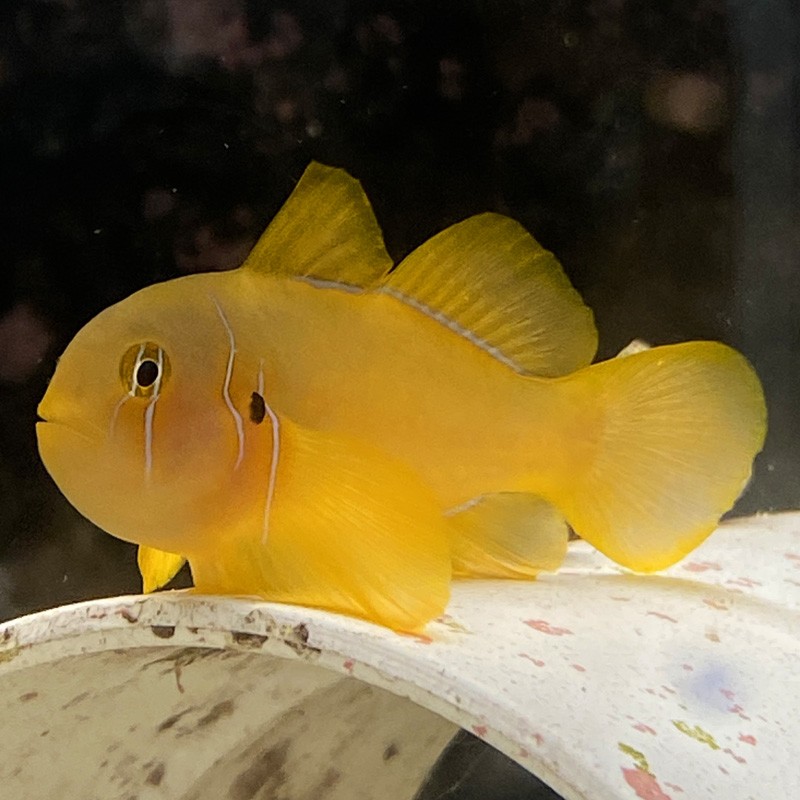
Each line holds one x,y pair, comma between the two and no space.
604,684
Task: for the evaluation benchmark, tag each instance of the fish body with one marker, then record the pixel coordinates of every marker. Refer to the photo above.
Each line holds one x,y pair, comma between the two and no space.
317,427
371,367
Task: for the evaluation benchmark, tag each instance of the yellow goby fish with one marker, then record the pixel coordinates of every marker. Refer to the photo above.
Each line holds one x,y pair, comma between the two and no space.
320,428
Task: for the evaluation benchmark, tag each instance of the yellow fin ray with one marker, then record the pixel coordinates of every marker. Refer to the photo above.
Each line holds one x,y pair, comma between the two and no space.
669,442
325,230
490,279
157,567
507,535
350,530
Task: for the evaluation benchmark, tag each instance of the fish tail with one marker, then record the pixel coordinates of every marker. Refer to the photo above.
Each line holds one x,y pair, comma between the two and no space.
660,445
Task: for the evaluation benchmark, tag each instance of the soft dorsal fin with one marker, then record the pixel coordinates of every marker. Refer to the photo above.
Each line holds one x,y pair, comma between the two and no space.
490,280
325,230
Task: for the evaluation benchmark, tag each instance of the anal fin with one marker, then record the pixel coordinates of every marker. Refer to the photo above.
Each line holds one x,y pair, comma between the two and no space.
507,535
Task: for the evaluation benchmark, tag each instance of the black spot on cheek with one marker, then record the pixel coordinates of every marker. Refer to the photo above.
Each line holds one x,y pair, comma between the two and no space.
258,408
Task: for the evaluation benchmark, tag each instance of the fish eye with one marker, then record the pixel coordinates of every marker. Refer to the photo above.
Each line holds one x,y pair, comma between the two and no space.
143,369
147,373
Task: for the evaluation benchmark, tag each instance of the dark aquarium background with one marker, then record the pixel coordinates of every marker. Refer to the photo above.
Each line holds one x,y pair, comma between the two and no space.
653,146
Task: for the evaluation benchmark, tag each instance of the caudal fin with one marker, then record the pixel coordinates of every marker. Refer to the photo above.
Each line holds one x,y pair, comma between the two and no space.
666,443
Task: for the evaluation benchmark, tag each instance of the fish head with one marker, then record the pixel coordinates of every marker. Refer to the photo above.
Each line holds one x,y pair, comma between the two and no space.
133,427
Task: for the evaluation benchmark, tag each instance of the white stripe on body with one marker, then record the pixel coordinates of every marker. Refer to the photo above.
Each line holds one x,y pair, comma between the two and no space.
442,319
453,326
324,283
276,451
226,395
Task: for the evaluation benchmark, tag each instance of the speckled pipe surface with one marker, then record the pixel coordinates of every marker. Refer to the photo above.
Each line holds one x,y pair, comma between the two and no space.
604,684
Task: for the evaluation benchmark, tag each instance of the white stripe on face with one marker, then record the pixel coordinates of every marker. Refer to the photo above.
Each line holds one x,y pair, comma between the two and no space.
226,394
135,390
115,414
149,413
131,393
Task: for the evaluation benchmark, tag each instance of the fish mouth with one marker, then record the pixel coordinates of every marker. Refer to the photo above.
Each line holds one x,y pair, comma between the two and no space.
52,414
85,432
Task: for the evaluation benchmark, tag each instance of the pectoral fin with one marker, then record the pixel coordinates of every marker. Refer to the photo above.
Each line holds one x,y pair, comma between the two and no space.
349,530
157,567
507,535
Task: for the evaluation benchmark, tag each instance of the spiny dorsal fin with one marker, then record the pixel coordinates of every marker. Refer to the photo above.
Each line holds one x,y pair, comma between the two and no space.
490,280
325,230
